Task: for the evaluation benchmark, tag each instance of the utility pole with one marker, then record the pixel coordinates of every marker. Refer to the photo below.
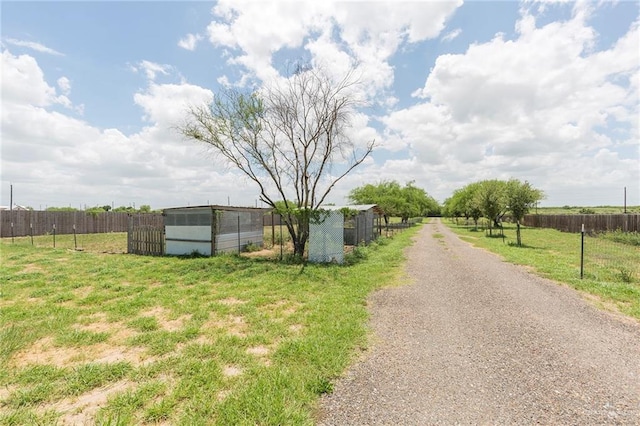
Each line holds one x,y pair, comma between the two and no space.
11,198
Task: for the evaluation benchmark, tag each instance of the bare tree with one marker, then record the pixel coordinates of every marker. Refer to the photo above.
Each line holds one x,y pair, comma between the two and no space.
286,138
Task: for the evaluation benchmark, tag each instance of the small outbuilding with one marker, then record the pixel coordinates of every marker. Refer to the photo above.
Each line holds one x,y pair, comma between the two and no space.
332,232
363,225
211,230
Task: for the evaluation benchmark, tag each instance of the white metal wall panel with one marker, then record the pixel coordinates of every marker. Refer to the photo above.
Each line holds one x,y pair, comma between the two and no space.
179,248
193,238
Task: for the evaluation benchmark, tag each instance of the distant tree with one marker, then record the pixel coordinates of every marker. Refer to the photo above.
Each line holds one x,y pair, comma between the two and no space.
490,198
106,207
285,138
394,200
520,198
94,210
123,209
463,203
418,202
62,209
145,208
385,194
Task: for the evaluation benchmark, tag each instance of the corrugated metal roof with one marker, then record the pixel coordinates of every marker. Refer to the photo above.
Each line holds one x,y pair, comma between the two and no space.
359,207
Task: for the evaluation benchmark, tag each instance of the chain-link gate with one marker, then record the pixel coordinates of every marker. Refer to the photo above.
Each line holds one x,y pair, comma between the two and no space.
326,238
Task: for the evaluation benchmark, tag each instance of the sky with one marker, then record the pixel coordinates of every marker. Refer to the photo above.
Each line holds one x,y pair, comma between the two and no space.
456,92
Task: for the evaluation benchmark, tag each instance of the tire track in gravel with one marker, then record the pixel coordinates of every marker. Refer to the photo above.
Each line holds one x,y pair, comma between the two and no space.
474,340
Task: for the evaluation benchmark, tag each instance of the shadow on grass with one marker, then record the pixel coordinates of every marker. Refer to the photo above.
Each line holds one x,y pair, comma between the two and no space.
522,246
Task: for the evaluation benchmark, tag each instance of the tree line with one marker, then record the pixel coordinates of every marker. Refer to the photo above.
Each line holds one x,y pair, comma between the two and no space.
145,208
492,199
394,200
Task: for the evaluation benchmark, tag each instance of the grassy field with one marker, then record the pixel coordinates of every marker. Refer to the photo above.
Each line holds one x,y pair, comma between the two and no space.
611,272
97,336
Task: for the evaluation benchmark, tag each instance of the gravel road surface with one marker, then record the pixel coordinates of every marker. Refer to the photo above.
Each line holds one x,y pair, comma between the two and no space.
474,340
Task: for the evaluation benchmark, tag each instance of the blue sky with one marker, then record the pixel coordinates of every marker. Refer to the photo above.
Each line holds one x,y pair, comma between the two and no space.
543,91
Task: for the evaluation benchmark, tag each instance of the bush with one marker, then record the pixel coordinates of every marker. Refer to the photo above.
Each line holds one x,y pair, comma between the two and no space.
251,247
630,238
585,210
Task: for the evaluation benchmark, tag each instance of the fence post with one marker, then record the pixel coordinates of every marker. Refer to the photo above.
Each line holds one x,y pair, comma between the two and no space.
130,236
31,231
239,233
12,233
54,235
75,239
582,252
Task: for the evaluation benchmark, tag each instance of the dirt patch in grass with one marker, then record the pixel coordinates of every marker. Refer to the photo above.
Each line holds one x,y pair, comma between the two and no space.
231,371
81,410
31,268
165,320
296,328
281,308
230,301
234,325
82,292
265,253
261,352
44,351
5,392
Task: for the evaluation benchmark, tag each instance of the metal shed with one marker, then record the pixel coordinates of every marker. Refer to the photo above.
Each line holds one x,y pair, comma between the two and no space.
211,230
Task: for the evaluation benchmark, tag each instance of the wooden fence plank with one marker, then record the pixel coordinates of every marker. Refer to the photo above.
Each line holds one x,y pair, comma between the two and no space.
32,222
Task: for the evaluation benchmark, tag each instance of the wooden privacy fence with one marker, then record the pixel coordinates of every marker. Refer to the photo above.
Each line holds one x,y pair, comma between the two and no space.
592,222
146,240
32,222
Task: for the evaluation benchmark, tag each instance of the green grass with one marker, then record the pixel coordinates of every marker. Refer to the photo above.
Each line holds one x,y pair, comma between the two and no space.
611,272
224,340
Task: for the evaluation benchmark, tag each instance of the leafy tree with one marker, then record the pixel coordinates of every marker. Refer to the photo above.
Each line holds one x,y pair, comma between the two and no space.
521,197
285,138
145,208
385,194
124,209
394,200
94,210
418,202
490,198
106,207
62,209
463,203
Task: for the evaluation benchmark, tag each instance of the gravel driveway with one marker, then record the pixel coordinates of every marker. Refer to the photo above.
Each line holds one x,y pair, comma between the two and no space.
474,340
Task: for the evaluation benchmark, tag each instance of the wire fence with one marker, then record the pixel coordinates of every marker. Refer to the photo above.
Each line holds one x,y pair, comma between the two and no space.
611,256
114,242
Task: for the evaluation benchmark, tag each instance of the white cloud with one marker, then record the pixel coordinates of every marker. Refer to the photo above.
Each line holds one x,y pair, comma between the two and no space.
38,47
452,34
540,106
65,85
23,83
166,104
45,153
339,33
190,41
152,69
